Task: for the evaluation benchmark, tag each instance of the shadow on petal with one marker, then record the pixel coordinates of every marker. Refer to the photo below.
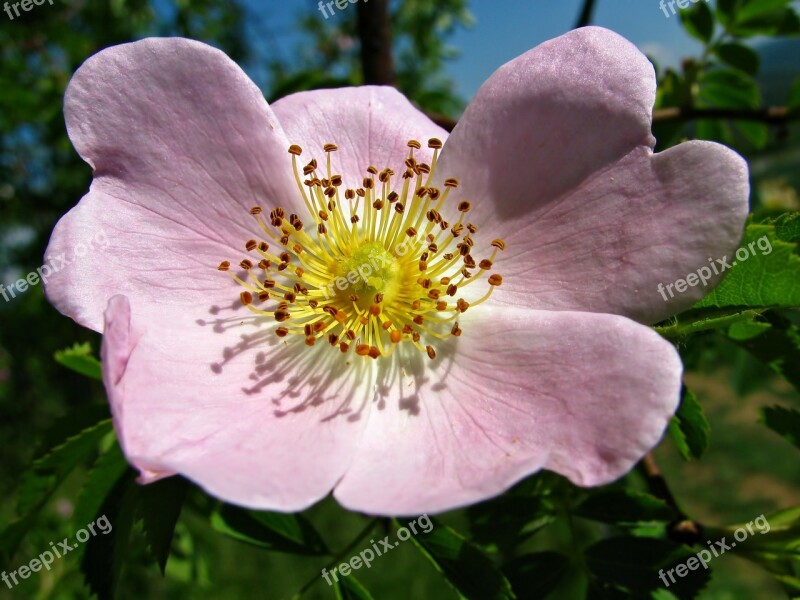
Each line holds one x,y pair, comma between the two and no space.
310,377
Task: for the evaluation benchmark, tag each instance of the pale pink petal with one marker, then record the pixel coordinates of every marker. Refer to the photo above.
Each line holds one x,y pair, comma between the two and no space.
370,125
556,154
227,404
182,144
582,394
549,119
645,222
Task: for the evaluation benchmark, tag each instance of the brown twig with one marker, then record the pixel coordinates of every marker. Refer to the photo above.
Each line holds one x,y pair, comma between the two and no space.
772,115
375,33
682,529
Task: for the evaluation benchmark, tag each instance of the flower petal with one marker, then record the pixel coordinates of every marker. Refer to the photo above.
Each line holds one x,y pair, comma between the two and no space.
182,144
616,241
582,394
244,416
549,119
370,125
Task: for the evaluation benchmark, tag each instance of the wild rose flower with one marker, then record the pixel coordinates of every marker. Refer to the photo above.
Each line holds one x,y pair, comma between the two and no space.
413,320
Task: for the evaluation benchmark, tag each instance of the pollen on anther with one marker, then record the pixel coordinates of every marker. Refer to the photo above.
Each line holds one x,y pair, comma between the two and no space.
309,259
496,280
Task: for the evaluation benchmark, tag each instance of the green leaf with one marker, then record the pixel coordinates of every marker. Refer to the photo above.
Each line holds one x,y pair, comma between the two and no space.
776,23
794,95
104,556
728,88
349,588
787,226
49,471
537,574
103,477
757,134
464,565
727,10
14,533
783,421
764,272
79,358
746,330
698,22
281,532
778,347
511,518
739,56
624,506
159,507
755,9
771,539
634,564
689,427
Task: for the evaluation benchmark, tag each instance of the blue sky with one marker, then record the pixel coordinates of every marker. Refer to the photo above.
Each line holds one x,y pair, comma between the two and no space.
506,28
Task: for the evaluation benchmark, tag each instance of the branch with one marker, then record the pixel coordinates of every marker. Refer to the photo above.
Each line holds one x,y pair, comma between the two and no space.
375,33
682,529
772,115
586,14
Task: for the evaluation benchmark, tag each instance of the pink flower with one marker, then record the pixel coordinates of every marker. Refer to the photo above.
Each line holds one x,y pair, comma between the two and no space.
450,389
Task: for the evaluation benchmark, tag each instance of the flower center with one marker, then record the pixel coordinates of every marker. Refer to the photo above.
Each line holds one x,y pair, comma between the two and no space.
371,269
380,268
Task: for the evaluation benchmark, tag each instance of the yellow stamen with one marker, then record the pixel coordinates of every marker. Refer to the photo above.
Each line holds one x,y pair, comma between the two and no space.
379,267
